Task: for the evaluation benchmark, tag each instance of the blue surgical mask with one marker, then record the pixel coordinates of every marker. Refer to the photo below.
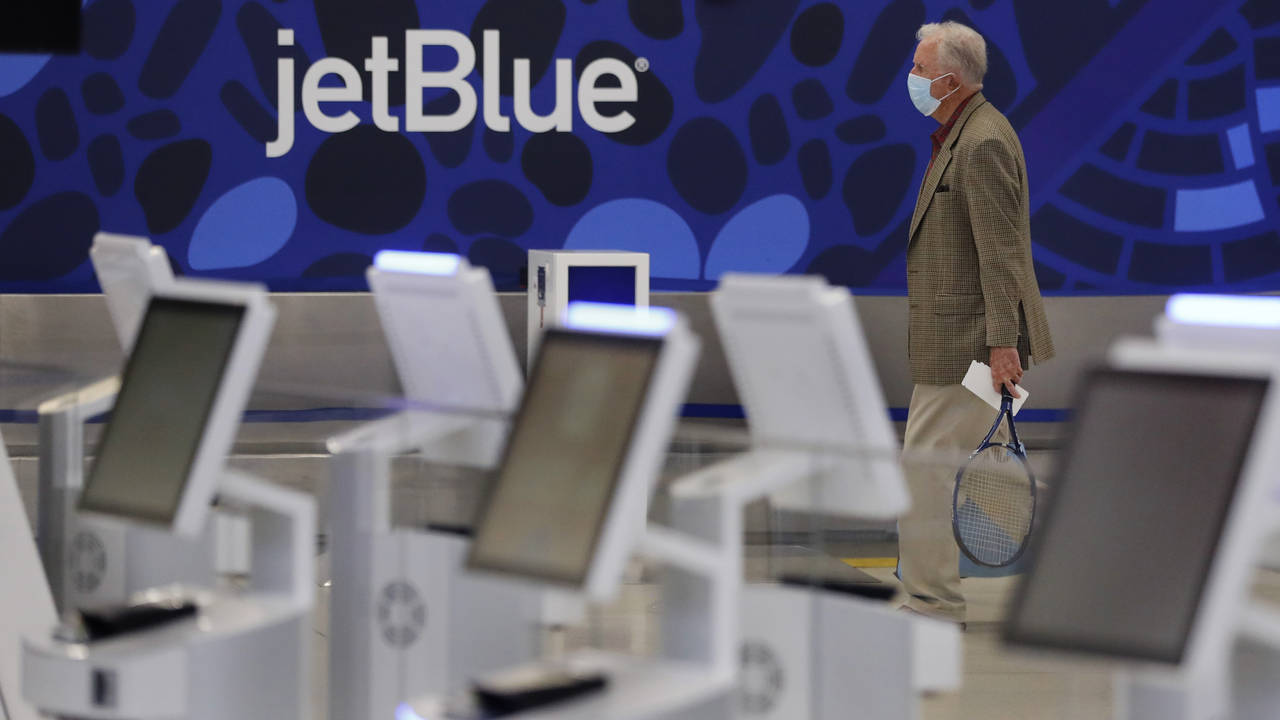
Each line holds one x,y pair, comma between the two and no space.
918,87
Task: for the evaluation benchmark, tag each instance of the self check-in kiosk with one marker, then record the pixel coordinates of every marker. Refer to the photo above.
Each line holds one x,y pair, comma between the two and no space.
177,651
89,562
405,619
822,442
1150,540
567,509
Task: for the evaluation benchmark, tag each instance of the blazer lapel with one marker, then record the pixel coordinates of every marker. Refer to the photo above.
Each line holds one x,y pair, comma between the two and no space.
940,164
930,185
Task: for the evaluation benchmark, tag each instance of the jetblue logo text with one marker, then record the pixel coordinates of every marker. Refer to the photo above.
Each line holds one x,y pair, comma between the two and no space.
380,66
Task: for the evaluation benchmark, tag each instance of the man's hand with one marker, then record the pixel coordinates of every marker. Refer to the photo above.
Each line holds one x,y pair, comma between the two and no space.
1006,369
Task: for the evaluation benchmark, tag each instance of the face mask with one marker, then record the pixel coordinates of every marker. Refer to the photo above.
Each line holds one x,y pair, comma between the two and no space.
918,87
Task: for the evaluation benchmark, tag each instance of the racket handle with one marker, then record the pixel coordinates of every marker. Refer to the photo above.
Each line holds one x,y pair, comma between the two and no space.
1006,403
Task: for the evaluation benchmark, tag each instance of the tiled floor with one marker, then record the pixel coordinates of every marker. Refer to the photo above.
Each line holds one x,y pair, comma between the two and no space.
1001,684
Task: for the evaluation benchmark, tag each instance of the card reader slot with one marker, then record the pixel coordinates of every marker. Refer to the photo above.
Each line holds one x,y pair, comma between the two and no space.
528,689
100,624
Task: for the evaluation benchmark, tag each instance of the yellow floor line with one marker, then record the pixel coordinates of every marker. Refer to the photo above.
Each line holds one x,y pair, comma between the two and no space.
871,562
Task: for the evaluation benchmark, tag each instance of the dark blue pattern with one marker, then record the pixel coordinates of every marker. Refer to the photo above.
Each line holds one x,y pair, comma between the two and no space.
770,141
106,162
1129,110
155,125
18,163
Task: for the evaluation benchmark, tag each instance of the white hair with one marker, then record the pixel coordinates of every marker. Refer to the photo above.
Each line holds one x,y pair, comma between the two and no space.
961,49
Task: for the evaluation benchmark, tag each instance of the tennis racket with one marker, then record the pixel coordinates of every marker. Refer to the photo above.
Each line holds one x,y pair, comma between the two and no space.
993,508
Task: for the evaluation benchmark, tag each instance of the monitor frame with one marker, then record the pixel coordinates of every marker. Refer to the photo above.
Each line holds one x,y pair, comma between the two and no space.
411,286
239,373
625,517
129,269
746,305
1248,520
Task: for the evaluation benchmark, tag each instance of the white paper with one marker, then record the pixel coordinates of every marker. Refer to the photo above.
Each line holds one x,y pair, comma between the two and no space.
978,382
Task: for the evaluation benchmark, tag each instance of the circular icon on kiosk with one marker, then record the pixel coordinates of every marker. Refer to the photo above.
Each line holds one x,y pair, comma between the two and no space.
762,678
401,614
88,561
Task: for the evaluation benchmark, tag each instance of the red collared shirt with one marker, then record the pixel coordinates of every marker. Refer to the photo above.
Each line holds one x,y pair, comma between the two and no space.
940,135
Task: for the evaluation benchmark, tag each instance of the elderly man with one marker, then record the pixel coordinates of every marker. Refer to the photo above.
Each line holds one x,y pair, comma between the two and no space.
972,294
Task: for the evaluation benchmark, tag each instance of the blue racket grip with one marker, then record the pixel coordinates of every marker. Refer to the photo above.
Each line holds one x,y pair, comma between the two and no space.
1006,402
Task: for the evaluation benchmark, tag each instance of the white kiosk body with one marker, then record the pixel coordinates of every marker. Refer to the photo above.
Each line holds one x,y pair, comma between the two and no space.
567,509
89,562
559,277
159,464
1163,501
1231,323
405,620
129,269
26,605
823,443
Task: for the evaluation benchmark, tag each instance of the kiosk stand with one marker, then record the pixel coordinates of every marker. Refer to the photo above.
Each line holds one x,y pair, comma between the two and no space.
26,605
89,562
405,620
567,508
187,652
822,443
1163,502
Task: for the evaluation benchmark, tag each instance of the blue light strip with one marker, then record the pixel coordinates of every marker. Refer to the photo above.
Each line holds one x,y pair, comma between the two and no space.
404,712
315,415
624,319
1240,311
419,263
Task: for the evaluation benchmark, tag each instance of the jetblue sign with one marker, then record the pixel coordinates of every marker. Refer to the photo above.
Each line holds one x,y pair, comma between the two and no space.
379,66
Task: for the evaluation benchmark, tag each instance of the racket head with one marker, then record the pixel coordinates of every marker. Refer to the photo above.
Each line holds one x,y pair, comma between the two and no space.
993,507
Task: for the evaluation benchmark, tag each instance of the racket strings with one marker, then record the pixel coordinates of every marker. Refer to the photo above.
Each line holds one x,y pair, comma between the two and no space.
994,506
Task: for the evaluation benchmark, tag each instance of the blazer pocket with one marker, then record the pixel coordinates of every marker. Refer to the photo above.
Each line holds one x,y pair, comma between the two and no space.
959,305
949,205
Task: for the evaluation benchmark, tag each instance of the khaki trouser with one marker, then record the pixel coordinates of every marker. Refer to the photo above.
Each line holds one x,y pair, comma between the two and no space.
942,419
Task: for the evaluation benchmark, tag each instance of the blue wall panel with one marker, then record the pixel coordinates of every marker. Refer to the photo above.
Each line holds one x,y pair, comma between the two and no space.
772,135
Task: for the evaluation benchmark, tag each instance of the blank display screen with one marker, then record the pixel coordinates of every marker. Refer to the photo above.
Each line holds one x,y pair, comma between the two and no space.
166,395
1137,513
547,505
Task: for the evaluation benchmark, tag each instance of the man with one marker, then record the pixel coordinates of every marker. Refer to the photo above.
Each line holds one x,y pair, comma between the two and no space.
972,295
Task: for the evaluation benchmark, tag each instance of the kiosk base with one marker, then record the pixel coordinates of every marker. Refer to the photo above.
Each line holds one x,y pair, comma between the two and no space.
638,689
798,663
105,563
240,658
407,620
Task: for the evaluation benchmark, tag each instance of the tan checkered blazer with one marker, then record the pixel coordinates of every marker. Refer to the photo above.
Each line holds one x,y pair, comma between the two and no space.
970,283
